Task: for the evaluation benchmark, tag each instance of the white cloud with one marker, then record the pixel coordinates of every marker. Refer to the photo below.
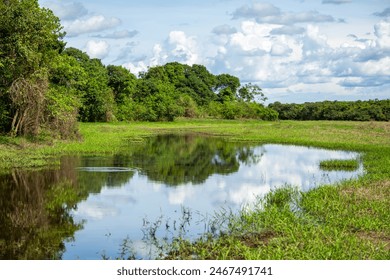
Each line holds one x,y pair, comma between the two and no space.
183,48
97,49
298,57
382,32
281,56
268,13
277,56
93,24
136,67
255,55
253,37
126,51
288,30
119,34
177,47
279,49
67,11
282,45
256,10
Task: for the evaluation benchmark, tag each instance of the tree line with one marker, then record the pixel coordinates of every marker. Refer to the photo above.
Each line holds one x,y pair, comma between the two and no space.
371,110
46,87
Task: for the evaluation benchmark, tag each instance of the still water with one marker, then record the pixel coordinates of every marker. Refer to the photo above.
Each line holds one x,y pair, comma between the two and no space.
165,187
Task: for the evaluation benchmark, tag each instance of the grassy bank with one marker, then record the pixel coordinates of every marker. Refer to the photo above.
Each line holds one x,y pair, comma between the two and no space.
348,221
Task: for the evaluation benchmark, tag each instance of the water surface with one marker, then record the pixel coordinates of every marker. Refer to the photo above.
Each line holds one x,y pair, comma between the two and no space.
168,186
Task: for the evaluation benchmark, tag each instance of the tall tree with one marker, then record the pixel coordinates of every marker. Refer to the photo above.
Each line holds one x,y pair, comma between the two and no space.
249,92
226,87
30,37
97,98
122,82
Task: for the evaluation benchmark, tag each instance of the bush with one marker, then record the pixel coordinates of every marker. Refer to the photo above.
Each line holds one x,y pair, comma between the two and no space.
62,112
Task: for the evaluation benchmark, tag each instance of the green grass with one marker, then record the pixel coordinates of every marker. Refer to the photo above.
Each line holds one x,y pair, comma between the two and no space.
338,164
348,221
344,222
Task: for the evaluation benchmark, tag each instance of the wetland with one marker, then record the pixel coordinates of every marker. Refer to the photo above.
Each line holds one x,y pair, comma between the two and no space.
165,187
199,189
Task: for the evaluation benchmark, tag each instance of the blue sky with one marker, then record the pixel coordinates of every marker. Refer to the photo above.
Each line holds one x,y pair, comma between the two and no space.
295,50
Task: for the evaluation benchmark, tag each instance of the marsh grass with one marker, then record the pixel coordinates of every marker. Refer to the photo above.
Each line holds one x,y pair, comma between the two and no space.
325,226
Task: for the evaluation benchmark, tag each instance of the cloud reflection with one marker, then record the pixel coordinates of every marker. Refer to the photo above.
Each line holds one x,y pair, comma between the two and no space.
123,211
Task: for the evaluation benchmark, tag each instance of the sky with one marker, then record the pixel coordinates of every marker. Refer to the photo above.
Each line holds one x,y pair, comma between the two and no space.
295,50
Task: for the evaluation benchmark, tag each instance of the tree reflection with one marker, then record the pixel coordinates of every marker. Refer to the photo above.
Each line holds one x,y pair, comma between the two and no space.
34,215
35,218
92,182
35,206
180,159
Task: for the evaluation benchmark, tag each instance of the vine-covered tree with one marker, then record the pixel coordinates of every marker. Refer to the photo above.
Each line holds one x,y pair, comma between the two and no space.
30,38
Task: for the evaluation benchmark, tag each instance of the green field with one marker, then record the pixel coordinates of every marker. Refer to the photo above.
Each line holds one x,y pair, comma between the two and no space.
347,221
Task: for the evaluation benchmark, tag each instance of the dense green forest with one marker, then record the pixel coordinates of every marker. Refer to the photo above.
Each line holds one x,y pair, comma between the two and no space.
46,88
372,110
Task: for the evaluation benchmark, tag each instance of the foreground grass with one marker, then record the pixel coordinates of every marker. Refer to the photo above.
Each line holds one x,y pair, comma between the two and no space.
347,221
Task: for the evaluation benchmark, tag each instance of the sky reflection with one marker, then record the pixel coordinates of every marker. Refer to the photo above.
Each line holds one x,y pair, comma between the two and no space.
126,212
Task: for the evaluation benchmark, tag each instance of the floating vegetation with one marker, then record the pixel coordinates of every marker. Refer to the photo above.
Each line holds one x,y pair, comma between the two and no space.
339,164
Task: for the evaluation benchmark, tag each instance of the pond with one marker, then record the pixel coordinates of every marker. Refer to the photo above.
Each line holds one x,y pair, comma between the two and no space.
96,207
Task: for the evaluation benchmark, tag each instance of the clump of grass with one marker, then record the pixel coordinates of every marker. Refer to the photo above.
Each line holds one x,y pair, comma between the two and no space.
339,164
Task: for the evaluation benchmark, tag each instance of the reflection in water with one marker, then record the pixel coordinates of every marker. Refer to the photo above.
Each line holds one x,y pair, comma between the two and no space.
168,186
176,159
34,217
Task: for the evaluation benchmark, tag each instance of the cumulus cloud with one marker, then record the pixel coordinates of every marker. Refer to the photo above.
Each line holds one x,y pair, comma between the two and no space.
256,10
97,49
288,30
254,55
336,2
354,82
177,47
382,32
279,49
268,13
252,37
182,47
136,67
68,11
126,51
119,34
93,24
280,56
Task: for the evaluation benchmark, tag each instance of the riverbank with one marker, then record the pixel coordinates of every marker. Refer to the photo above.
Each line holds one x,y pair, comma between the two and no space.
348,221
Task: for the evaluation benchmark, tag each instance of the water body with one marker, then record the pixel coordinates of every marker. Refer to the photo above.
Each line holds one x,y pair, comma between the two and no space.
168,186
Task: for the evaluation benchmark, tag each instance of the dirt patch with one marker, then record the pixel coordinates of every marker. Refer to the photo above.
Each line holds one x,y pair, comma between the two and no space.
255,239
377,238
378,191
